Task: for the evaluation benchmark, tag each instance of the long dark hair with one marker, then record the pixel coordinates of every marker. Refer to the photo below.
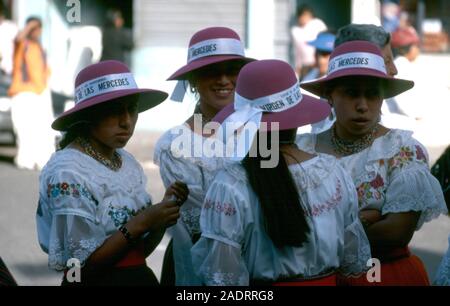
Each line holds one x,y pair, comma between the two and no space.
441,170
80,127
283,214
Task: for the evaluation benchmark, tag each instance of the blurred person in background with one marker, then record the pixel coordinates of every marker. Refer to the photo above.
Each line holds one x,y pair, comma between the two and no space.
117,41
31,108
405,43
8,32
390,15
306,29
324,44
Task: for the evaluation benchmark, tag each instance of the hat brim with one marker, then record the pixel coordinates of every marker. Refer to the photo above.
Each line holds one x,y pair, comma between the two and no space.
308,111
181,74
392,86
148,98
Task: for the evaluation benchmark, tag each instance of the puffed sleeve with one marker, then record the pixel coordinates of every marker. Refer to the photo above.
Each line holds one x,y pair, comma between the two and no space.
179,164
174,169
412,186
356,244
217,254
67,221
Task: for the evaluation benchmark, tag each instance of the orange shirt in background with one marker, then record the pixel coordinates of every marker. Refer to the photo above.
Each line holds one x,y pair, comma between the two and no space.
30,70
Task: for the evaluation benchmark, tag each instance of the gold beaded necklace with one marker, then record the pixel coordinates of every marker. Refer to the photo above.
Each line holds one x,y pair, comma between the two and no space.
346,147
198,111
114,164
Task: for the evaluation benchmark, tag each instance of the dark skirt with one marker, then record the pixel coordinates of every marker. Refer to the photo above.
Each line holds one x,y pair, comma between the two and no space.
128,276
6,279
168,267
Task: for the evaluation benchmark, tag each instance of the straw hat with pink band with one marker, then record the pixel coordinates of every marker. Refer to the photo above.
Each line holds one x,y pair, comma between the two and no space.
358,58
103,82
268,91
208,46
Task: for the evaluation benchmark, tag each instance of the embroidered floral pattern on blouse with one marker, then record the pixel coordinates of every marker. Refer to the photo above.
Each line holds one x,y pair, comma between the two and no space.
318,209
406,156
218,207
121,215
191,218
420,155
219,278
65,189
373,190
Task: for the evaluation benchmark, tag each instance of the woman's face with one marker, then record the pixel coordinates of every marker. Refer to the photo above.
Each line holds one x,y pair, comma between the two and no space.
389,60
357,103
115,124
216,83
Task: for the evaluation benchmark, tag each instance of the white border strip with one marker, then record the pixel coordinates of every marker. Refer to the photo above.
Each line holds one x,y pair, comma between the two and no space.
103,85
219,46
357,60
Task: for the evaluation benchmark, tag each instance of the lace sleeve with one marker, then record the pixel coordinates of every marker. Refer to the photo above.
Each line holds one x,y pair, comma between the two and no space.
219,264
412,186
72,236
356,244
415,190
67,221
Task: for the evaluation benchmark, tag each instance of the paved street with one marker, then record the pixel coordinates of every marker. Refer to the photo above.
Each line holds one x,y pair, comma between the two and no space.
19,196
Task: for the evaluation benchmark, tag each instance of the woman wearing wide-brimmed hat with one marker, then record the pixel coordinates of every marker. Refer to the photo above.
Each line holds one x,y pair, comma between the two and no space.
397,194
294,222
215,57
93,204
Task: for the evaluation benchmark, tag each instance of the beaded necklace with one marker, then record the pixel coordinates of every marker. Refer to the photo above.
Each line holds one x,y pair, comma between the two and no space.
198,111
114,164
349,147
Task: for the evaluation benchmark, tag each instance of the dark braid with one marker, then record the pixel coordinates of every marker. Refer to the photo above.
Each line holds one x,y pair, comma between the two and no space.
284,218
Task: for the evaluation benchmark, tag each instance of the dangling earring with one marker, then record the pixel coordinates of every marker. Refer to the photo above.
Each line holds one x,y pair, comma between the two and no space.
193,89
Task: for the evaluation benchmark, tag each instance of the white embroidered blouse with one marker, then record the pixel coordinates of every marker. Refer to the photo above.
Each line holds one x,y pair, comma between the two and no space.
82,203
392,175
234,248
183,155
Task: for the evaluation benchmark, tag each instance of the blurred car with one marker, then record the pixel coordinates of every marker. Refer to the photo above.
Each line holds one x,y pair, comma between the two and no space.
7,136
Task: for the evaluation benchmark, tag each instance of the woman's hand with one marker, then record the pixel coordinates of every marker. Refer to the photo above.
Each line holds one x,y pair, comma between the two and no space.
370,215
154,218
177,192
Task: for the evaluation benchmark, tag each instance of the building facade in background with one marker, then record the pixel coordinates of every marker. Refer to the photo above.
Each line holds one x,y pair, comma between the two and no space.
162,29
